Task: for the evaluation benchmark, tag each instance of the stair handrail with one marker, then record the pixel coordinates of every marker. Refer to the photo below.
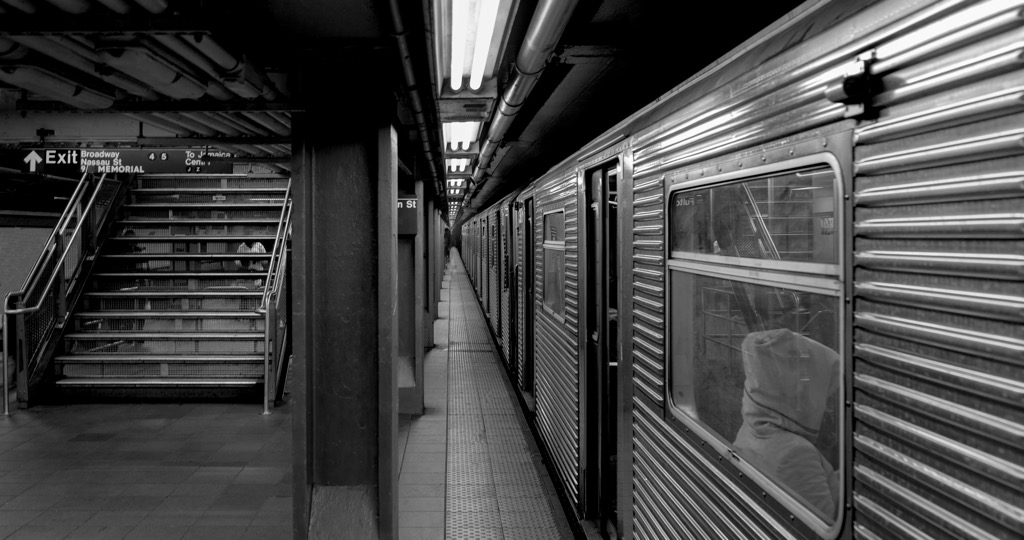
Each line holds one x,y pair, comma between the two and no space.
272,292
62,223
276,254
34,277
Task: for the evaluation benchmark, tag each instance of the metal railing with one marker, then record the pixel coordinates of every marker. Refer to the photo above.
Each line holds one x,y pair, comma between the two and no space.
31,314
275,294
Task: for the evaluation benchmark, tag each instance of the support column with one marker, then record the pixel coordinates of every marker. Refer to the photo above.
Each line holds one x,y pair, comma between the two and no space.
429,261
410,297
344,285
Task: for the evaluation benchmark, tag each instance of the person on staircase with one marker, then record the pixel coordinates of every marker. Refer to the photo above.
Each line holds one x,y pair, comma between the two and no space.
251,265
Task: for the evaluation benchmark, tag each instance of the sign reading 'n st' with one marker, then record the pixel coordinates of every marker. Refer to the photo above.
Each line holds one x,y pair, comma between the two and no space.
76,161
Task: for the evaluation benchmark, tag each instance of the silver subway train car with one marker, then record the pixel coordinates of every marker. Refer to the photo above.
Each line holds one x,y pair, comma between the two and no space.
786,299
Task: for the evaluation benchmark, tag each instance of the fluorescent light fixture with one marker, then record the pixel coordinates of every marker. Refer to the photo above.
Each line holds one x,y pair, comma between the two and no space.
457,165
488,11
460,29
460,135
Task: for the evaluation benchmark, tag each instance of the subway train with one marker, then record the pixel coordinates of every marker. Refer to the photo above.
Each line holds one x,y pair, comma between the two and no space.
786,298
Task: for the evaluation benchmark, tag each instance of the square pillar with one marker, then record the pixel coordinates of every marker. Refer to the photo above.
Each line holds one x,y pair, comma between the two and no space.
344,294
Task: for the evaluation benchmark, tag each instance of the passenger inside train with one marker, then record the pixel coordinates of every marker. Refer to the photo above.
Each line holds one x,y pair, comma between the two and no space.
790,379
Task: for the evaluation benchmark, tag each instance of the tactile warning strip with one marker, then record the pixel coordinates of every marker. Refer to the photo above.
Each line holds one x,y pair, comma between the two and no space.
494,485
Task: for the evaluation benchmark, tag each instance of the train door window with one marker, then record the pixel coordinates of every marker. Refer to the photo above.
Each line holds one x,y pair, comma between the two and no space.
756,322
554,262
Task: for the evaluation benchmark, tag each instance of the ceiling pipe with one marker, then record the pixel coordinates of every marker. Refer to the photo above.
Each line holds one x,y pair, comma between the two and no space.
9,50
245,129
120,7
182,58
281,117
253,127
54,86
71,6
155,7
187,123
240,76
171,44
216,122
23,6
166,126
189,53
415,100
267,149
144,65
546,27
250,149
76,55
267,122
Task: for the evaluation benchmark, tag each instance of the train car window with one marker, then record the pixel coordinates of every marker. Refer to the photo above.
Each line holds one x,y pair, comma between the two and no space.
756,325
554,262
784,217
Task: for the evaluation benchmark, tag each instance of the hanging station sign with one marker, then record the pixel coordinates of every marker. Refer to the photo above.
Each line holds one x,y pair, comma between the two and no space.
76,161
407,215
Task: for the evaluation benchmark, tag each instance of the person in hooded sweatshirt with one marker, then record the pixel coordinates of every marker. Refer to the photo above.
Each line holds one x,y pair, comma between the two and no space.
789,379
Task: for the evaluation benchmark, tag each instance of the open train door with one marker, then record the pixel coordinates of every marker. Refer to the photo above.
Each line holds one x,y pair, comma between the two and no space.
602,359
511,283
529,282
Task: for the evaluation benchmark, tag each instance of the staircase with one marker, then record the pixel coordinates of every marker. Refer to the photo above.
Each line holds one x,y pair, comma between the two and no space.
171,303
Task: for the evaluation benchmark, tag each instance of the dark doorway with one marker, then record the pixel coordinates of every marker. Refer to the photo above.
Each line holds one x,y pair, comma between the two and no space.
602,360
529,279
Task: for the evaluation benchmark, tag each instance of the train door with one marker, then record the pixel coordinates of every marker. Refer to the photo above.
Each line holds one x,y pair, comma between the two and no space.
486,270
529,279
601,372
499,273
511,273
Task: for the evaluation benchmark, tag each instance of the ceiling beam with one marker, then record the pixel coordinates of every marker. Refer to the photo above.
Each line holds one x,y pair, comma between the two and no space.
165,106
172,142
249,159
33,25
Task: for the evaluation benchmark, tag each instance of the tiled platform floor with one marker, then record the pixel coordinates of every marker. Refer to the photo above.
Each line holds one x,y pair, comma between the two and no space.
471,468
146,471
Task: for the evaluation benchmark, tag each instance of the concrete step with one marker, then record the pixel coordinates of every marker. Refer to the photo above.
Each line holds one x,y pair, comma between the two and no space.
208,370
174,343
182,222
168,266
210,212
276,182
218,197
215,205
233,300
160,359
158,248
167,321
156,283
169,382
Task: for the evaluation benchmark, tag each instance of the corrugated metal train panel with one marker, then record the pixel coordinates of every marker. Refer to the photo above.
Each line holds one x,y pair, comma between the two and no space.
556,360
939,345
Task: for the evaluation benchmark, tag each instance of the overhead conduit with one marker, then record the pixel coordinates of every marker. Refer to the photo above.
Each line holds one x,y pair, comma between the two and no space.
82,6
415,100
546,27
173,65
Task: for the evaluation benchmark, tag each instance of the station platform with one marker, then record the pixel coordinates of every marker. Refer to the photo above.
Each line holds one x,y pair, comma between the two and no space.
470,469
